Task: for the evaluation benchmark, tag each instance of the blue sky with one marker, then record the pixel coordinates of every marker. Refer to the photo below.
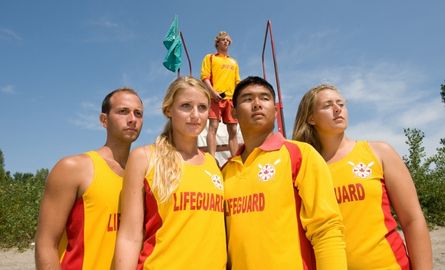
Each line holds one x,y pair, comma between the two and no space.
58,59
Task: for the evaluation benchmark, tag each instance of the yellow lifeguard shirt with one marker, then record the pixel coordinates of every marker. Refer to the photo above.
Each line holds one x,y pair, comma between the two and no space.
268,215
186,232
223,73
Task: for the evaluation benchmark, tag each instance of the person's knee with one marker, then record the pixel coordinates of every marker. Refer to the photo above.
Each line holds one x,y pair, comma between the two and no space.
213,127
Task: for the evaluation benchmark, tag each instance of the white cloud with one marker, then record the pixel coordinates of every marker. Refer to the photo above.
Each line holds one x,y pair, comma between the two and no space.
125,79
423,114
378,131
153,132
302,48
7,34
157,71
383,98
8,89
105,23
152,107
105,30
88,117
388,85
374,130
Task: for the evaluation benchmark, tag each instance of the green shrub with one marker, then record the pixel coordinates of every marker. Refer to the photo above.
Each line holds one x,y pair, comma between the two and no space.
428,174
19,208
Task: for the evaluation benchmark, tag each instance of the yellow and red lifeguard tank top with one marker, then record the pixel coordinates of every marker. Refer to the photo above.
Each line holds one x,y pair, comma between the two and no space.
90,233
186,232
372,241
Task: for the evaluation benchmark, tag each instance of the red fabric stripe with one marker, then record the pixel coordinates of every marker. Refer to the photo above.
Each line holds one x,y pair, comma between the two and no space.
393,237
75,250
307,251
295,159
153,222
211,69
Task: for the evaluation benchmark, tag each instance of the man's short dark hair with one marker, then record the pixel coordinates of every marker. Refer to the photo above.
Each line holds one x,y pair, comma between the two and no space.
106,104
251,80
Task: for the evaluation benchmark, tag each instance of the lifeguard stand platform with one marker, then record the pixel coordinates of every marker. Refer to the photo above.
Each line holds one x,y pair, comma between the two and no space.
222,138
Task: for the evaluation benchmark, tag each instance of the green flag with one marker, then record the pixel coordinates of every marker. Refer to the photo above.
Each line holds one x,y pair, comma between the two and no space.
173,43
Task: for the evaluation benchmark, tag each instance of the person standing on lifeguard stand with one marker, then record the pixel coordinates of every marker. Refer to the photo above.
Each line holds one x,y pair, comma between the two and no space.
220,73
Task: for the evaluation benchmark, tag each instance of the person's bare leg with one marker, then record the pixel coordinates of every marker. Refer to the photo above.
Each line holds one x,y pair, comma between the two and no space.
211,136
233,139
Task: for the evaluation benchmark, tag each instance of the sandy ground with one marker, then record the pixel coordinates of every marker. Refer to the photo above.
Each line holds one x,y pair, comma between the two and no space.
13,260
438,244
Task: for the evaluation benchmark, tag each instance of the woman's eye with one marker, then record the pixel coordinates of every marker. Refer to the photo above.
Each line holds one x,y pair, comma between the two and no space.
202,108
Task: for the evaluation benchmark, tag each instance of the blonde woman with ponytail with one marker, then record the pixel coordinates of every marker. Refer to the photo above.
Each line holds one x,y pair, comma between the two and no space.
172,197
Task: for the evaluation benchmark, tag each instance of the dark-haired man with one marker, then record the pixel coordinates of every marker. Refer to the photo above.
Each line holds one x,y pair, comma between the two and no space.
280,207
79,212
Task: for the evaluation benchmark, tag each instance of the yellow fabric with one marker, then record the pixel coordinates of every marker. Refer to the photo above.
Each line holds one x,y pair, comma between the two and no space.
100,213
261,221
369,225
222,71
192,232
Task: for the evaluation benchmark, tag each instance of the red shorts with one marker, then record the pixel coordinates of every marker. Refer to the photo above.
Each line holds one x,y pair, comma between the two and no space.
222,109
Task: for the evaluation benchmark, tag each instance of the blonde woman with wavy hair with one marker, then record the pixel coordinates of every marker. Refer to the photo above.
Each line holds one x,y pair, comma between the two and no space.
173,194
369,179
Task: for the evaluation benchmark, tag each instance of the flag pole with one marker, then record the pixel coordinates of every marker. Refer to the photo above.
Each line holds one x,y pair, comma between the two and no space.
186,53
280,116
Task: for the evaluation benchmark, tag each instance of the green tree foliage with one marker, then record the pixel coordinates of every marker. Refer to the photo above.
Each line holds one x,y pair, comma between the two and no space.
428,174
19,206
442,92
2,167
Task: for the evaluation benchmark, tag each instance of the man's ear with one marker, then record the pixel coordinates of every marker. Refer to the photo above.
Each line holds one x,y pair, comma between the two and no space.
103,118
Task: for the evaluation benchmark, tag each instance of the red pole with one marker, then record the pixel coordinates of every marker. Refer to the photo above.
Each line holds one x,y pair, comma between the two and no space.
280,116
187,54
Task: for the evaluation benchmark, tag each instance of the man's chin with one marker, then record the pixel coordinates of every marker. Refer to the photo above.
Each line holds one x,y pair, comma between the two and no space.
131,138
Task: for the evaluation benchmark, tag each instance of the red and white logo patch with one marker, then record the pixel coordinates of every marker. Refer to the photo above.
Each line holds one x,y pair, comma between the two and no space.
267,171
216,180
361,169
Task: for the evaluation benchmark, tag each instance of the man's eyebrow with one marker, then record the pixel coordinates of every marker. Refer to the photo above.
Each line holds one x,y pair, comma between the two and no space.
245,94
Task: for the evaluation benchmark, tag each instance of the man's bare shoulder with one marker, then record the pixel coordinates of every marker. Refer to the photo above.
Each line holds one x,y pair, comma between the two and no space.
74,162
72,169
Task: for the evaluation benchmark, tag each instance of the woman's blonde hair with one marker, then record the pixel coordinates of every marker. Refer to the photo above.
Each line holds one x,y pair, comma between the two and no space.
166,160
303,131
